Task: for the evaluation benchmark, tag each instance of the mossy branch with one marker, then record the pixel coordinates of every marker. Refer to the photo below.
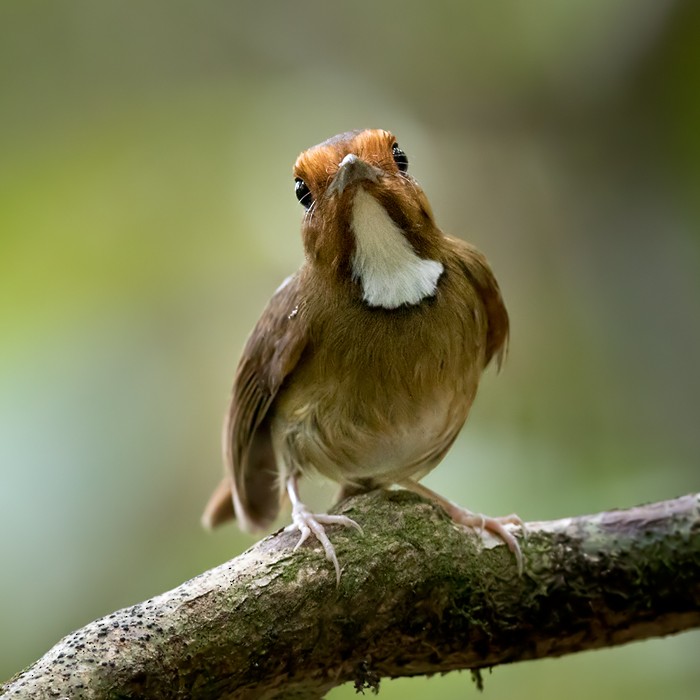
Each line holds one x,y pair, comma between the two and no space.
418,595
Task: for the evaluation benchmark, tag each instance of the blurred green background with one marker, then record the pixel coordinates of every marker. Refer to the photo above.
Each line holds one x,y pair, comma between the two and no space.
147,212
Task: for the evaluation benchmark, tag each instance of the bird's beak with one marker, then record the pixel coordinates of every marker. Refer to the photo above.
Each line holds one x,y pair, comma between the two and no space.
352,169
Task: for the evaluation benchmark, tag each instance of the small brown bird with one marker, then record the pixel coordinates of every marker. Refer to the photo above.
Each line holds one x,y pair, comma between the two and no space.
364,364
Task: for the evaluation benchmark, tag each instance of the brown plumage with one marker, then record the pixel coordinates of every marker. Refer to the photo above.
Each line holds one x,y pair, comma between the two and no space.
364,364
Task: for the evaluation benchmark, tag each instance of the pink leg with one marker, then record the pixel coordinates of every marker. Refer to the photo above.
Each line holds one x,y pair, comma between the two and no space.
307,523
474,520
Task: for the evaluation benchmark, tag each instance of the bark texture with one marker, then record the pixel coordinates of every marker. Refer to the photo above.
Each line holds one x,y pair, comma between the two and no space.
417,595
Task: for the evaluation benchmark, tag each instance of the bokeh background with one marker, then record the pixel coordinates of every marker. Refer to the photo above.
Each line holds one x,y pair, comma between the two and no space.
147,212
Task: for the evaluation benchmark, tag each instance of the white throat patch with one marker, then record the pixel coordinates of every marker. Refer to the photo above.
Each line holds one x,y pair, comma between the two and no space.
384,262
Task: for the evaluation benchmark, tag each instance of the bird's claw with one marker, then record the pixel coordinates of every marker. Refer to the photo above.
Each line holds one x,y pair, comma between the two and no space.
307,523
497,527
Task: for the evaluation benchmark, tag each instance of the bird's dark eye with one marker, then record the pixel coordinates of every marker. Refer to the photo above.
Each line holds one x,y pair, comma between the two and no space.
400,158
303,193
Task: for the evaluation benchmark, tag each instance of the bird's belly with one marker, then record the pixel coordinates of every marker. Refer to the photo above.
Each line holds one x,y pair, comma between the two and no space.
354,441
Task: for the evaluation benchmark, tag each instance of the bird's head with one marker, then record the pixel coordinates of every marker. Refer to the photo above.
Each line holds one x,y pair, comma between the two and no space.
367,220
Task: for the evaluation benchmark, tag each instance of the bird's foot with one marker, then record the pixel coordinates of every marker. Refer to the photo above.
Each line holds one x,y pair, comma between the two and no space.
500,527
307,523
496,526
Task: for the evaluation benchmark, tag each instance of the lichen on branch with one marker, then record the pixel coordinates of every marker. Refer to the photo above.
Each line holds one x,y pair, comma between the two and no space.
417,595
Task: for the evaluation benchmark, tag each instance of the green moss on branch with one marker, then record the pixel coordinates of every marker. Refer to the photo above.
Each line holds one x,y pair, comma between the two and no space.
417,595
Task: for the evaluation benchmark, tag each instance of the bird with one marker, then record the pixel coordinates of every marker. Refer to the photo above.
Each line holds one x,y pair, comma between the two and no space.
364,364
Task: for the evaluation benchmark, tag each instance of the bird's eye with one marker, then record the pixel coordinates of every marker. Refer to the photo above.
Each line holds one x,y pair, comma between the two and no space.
303,193
400,158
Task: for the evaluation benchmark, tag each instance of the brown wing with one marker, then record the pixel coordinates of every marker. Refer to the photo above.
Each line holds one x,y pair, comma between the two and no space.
481,276
250,490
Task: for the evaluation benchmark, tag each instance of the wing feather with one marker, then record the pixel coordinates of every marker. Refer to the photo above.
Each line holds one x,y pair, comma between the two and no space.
479,272
271,353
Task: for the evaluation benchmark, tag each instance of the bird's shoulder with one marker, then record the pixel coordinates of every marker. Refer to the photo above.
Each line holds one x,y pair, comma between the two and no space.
465,259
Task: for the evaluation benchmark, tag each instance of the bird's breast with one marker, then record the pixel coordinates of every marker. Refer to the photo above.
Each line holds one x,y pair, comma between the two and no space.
381,394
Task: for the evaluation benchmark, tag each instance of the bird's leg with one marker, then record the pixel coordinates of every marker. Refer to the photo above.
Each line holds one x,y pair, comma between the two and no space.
477,521
307,523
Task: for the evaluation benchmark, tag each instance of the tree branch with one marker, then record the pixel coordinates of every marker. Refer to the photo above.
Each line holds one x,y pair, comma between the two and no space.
417,595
